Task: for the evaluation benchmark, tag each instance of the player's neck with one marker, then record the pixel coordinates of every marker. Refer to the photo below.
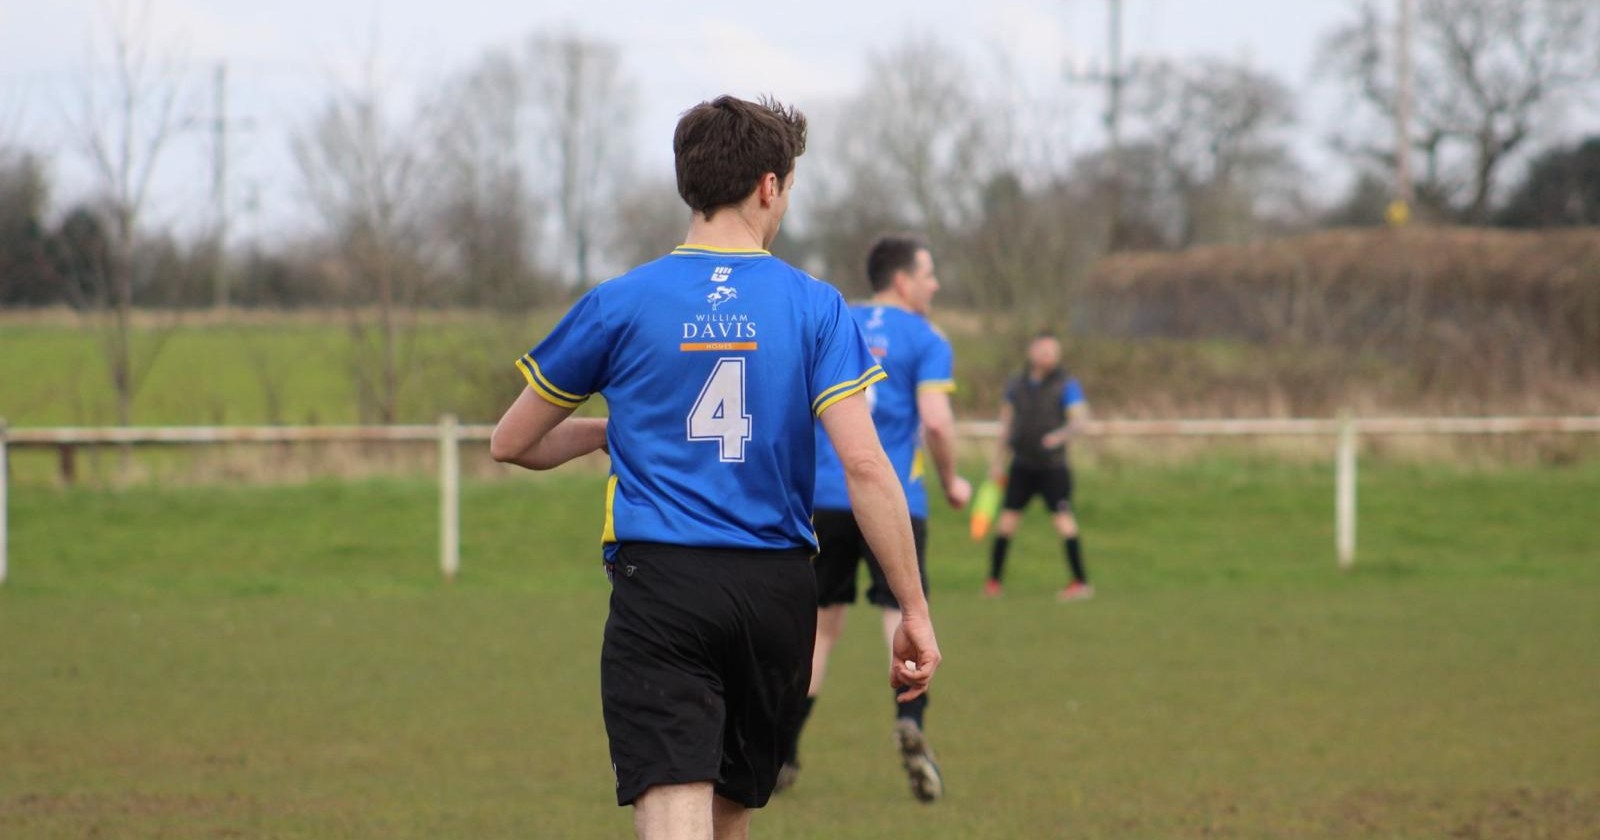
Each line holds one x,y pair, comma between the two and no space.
727,230
887,297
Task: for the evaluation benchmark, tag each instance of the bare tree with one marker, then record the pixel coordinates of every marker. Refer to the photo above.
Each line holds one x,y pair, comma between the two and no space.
127,118
361,172
651,220
25,276
1217,128
583,115
912,150
921,125
1029,253
1487,74
484,209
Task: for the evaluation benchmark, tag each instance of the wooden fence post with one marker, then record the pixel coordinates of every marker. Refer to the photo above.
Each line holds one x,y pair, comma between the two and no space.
1345,493
5,484
449,497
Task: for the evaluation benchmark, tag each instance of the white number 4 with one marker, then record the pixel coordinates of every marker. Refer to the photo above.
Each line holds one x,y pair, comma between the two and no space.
718,412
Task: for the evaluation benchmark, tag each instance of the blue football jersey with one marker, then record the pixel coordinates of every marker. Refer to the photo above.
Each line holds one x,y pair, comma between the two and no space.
916,358
714,365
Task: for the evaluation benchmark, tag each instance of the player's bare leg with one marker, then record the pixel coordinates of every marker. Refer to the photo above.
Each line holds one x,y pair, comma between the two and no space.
731,820
676,812
830,625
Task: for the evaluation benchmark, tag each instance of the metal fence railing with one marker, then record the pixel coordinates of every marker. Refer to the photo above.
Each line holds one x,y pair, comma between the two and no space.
449,435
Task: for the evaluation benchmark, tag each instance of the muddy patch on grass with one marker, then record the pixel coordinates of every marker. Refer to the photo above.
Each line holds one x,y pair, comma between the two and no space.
1514,814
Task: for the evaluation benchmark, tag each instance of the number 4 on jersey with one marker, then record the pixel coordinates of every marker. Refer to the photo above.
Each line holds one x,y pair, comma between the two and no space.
719,413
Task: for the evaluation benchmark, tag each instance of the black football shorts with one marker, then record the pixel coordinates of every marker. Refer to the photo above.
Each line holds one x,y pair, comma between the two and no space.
1053,484
842,549
705,663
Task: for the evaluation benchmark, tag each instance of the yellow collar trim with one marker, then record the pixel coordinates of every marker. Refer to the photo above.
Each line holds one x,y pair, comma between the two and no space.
712,249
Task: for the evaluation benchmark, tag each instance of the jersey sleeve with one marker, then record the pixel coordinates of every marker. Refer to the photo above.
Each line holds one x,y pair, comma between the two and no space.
1072,394
571,362
843,365
936,366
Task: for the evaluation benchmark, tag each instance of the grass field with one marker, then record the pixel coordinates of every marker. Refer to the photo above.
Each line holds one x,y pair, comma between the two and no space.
296,368
272,369
283,662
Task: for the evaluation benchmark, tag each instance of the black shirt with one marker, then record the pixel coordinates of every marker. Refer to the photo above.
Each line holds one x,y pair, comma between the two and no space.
1038,407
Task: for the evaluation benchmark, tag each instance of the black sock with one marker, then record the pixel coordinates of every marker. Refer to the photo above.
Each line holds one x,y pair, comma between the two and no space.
1075,560
911,709
997,557
791,744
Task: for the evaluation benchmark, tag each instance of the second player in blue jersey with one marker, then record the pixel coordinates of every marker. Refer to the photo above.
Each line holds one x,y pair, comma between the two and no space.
916,358
910,408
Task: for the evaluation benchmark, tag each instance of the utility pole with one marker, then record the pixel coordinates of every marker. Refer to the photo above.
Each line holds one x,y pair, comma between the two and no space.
219,186
1114,78
1404,193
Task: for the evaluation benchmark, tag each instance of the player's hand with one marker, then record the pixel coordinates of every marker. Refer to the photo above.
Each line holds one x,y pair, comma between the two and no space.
958,492
1053,440
914,644
997,474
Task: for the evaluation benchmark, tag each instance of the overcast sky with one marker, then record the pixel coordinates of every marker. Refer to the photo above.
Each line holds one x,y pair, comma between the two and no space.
282,53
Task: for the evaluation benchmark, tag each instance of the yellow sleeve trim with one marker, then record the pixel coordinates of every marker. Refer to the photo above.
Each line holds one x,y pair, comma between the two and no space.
609,535
829,392
541,386
946,385
839,392
543,380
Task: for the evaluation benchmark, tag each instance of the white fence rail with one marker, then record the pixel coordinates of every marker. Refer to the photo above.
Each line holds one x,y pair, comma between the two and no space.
449,435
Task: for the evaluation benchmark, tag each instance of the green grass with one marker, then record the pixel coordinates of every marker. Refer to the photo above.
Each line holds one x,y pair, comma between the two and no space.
283,369
284,662
301,368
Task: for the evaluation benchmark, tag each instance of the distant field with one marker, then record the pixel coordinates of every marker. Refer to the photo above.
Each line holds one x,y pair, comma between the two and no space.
284,662
298,368
283,368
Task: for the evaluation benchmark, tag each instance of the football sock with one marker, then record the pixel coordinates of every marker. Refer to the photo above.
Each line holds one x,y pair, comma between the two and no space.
997,557
911,709
1075,559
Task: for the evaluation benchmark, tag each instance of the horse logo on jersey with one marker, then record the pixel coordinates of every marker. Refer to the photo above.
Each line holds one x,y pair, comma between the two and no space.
722,295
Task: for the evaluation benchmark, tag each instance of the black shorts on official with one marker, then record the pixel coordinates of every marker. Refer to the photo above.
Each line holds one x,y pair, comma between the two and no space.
843,548
1053,484
705,665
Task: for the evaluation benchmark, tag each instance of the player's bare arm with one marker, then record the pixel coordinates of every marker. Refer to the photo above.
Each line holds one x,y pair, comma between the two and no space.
880,509
939,435
1077,415
539,435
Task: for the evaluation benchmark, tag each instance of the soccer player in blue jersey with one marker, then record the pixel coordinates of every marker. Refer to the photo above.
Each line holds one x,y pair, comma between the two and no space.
910,407
716,362
1042,407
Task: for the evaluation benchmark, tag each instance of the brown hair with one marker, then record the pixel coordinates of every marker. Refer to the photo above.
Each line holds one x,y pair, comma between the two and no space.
724,147
897,252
